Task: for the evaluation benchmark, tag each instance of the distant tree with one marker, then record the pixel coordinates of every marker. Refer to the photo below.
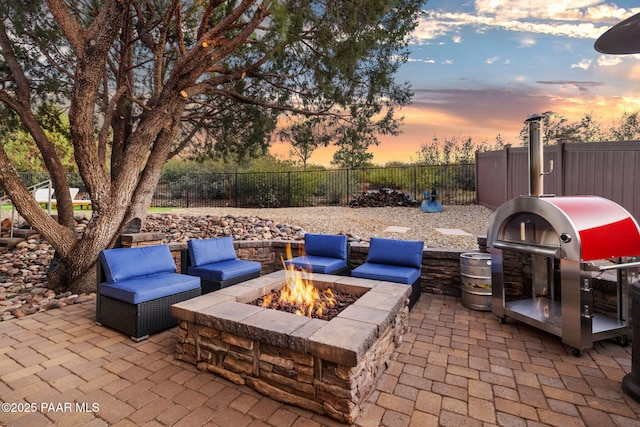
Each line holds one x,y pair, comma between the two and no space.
628,129
305,136
554,128
429,153
20,146
589,129
466,153
499,143
398,164
448,151
352,152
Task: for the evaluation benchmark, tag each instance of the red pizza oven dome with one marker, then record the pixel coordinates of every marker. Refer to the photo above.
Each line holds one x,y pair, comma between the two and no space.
580,228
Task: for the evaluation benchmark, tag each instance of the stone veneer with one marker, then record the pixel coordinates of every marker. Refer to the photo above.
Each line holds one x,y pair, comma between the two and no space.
328,367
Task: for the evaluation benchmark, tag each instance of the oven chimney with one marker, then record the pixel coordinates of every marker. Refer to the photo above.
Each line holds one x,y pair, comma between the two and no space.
536,175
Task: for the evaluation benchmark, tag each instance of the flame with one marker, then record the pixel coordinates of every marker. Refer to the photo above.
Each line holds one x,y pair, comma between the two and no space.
299,290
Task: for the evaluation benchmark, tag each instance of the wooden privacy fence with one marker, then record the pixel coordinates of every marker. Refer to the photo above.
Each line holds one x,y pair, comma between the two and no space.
607,169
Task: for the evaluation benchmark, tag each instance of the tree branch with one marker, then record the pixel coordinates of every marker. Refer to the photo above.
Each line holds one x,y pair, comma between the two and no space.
68,24
23,93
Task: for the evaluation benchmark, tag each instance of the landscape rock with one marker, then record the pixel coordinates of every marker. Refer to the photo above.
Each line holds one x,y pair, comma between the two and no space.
23,268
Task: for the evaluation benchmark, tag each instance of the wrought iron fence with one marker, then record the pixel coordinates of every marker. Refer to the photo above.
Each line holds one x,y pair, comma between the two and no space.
332,187
455,184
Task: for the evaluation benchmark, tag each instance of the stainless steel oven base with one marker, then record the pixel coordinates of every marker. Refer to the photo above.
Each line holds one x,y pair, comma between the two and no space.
546,314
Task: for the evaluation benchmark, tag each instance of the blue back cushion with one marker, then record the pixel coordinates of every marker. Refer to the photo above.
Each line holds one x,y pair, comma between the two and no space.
126,263
208,251
407,253
326,245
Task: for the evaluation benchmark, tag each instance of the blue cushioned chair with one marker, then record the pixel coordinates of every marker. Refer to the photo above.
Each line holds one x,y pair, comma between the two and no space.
216,263
392,260
323,253
136,288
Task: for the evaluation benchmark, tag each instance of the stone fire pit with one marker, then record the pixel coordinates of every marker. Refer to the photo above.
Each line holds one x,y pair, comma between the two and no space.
328,367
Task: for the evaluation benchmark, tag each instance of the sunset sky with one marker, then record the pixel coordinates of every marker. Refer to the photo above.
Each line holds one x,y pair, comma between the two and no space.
480,68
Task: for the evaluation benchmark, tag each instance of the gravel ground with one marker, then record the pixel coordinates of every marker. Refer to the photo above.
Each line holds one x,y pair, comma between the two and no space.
363,223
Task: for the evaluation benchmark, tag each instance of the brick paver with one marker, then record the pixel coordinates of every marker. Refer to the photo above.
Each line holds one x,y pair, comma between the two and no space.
455,367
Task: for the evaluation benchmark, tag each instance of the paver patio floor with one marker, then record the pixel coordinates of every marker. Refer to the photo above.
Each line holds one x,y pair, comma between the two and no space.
456,367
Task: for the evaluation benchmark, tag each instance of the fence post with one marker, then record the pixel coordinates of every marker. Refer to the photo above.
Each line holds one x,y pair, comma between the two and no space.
235,190
507,188
188,187
475,179
348,186
560,167
289,189
415,183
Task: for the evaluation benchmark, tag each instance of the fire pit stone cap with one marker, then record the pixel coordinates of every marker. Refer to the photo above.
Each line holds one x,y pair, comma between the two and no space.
262,281
383,301
391,288
280,329
186,310
242,292
356,281
380,318
343,341
226,316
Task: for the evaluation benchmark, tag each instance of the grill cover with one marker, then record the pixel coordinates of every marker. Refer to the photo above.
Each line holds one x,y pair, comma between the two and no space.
581,228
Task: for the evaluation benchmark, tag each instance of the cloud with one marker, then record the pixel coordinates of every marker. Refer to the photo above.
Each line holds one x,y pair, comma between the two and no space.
611,60
559,10
581,86
569,18
527,42
425,61
492,59
584,64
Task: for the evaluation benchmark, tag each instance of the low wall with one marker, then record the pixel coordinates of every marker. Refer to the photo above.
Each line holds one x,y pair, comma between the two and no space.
440,267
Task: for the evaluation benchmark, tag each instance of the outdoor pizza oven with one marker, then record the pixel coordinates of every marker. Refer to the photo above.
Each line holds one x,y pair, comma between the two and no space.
566,244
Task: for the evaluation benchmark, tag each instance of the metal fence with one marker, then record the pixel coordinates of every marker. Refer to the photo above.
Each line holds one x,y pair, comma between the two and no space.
331,187
455,183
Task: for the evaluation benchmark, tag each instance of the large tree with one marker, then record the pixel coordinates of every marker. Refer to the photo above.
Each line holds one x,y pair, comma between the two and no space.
144,79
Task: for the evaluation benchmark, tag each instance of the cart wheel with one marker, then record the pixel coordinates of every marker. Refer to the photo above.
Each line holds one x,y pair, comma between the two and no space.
502,319
576,352
622,340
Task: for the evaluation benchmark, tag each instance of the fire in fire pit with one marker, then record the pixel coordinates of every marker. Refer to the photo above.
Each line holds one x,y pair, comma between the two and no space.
300,296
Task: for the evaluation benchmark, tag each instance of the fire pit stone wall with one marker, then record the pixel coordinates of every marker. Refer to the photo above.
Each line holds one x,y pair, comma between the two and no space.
328,367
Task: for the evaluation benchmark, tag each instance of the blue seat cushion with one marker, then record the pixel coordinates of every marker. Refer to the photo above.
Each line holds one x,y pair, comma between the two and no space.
225,270
147,288
317,264
407,253
208,251
122,264
326,245
388,273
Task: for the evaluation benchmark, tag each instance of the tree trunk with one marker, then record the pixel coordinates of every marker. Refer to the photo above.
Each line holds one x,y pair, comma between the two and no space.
75,270
59,272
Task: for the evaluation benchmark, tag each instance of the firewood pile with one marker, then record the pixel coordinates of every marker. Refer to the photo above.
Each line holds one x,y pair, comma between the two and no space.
382,198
